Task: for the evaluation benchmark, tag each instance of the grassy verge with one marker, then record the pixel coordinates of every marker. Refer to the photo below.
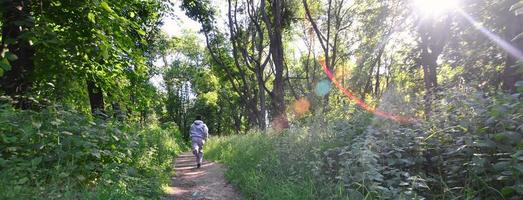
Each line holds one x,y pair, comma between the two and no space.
472,150
60,154
268,167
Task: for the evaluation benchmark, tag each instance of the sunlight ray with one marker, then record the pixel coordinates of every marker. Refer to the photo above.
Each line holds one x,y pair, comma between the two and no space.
495,38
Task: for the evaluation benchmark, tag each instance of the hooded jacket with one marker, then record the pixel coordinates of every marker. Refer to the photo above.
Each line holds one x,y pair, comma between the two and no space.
199,130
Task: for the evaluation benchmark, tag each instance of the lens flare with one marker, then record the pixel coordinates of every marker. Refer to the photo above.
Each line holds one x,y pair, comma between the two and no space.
301,106
280,123
509,48
323,88
361,103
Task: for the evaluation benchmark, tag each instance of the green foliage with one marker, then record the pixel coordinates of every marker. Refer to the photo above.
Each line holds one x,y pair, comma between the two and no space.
472,149
107,42
255,167
194,86
201,11
60,154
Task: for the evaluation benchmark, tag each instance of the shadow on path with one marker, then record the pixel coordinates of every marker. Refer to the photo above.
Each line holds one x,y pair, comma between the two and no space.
191,183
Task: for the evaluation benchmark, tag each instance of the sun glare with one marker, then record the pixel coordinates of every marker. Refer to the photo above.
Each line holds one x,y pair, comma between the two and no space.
435,7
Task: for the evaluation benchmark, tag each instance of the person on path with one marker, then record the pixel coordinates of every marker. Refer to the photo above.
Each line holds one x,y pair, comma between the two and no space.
199,134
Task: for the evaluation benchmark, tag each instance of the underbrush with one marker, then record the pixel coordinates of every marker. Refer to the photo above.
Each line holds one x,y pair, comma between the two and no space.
60,154
255,167
471,148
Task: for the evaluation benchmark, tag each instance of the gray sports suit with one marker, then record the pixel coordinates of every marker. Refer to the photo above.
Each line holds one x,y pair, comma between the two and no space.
199,133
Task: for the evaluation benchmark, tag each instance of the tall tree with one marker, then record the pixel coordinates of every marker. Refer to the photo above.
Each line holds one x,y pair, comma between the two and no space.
433,36
275,23
248,40
231,68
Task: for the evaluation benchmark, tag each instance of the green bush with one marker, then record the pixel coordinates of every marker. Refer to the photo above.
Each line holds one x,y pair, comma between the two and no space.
254,166
57,153
471,148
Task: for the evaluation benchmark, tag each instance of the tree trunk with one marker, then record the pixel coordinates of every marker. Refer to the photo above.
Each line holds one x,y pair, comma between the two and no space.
278,114
96,99
117,111
263,110
429,78
279,108
17,80
237,123
259,61
510,74
143,117
238,48
434,37
377,84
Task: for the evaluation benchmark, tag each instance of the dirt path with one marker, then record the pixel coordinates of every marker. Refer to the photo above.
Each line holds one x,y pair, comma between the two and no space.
191,183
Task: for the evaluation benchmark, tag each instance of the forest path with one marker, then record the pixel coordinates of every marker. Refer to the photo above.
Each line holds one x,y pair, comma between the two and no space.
207,182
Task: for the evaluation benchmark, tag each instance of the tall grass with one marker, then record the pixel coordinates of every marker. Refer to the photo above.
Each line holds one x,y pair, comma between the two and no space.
472,149
273,166
255,168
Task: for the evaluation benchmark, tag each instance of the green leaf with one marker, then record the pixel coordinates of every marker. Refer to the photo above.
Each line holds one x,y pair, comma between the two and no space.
507,136
37,125
11,149
67,133
518,155
105,53
141,32
115,138
500,137
499,166
80,177
507,191
10,41
2,162
354,194
57,122
23,180
63,175
96,154
4,64
518,167
106,7
131,14
11,56
36,161
56,3
519,188
91,17
1,72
